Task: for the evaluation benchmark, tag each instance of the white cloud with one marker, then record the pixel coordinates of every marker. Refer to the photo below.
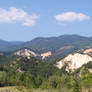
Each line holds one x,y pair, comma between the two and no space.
71,16
14,15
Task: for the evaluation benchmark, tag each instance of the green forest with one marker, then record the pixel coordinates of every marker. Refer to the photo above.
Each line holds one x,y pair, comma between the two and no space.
35,74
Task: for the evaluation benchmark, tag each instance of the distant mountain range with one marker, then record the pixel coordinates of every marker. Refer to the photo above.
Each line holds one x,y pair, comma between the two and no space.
7,44
71,50
58,46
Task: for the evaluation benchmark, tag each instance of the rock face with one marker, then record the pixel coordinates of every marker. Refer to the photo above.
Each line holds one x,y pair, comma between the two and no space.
88,51
28,53
74,61
25,53
47,54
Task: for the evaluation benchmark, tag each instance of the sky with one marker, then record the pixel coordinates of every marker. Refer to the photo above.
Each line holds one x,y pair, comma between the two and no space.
24,20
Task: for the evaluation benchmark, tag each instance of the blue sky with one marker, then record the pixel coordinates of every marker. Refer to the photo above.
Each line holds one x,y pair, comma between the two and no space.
23,20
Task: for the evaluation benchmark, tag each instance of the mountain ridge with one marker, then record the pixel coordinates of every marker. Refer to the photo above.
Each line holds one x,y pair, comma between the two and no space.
58,46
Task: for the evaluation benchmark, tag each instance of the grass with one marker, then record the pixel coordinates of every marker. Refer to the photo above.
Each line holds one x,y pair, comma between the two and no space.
22,89
9,89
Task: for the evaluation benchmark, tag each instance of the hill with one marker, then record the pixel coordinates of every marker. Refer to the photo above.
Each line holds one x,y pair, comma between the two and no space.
7,44
34,74
55,43
50,47
58,46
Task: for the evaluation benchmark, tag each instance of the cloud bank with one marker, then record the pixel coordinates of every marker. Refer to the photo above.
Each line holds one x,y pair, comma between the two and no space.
14,15
71,17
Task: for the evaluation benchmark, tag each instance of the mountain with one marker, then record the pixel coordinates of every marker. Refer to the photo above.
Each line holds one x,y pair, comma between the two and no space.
70,67
57,46
54,43
7,44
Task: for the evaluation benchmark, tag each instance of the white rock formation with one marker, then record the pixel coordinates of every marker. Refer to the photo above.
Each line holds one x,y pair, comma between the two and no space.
90,70
28,53
88,51
25,52
47,54
74,61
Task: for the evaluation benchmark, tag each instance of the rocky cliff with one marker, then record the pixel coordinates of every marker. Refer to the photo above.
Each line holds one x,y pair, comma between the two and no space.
74,61
28,53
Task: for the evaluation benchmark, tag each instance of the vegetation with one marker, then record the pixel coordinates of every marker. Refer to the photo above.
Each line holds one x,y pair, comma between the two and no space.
34,74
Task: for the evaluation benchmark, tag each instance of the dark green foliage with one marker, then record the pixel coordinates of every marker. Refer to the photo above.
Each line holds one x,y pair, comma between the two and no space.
88,65
5,59
32,73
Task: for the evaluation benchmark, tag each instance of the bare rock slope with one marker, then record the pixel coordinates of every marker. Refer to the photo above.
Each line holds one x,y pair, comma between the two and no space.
74,61
27,53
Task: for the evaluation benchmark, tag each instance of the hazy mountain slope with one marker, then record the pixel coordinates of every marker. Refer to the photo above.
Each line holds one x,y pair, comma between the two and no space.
58,46
54,43
7,44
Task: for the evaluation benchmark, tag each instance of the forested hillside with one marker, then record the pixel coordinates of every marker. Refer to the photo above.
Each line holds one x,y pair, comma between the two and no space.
35,74
23,65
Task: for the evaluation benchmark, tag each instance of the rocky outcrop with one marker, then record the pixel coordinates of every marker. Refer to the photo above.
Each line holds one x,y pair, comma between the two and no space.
25,53
74,61
88,51
28,53
90,70
47,54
